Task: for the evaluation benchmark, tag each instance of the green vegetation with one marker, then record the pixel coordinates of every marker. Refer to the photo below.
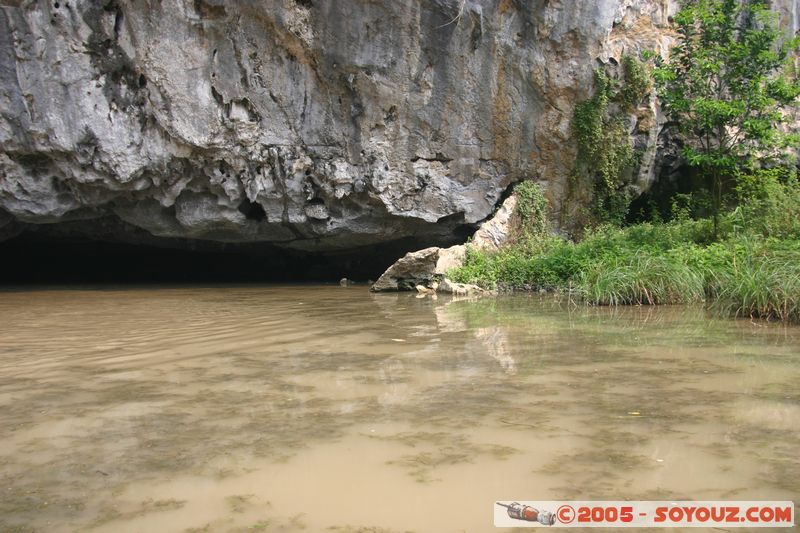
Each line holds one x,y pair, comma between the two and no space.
637,82
751,272
726,86
531,210
762,280
606,157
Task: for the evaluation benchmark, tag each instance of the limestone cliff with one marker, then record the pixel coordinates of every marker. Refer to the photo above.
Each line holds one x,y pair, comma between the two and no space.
316,125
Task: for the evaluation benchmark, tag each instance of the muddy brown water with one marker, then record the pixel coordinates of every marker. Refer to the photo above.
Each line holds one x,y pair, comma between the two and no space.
318,408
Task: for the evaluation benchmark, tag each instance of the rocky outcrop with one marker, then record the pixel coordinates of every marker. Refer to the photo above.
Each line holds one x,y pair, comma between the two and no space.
413,269
311,125
427,268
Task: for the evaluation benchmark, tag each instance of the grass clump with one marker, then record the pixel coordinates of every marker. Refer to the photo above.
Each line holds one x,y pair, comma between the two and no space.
609,266
643,279
762,280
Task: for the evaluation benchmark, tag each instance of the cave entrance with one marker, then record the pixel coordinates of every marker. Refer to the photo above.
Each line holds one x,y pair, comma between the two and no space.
44,258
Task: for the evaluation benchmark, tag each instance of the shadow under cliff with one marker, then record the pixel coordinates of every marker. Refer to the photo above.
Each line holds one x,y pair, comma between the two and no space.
46,257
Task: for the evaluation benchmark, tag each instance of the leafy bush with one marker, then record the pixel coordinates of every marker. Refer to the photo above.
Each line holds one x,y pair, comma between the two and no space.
531,208
638,81
769,202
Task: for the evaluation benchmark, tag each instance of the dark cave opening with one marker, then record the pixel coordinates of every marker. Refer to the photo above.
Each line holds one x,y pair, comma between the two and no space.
43,259
252,210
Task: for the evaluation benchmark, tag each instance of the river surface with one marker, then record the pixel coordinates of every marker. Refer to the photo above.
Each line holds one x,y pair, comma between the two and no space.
330,409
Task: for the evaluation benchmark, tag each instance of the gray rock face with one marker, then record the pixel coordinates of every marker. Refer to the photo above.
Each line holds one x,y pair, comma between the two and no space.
314,125
414,268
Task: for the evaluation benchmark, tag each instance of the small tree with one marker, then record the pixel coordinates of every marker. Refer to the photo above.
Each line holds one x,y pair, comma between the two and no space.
726,85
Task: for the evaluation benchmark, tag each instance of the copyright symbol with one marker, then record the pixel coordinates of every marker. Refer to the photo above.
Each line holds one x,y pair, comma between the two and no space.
565,514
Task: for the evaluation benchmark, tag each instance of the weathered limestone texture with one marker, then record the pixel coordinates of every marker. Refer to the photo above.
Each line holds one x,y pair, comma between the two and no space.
317,125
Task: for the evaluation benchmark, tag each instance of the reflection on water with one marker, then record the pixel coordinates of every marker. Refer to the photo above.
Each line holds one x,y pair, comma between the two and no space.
333,409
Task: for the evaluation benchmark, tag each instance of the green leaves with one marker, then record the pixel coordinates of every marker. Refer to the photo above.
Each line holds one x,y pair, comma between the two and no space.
726,83
532,207
637,84
605,153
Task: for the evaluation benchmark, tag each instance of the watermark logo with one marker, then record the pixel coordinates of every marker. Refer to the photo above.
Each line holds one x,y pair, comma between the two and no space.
619,514
517,511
